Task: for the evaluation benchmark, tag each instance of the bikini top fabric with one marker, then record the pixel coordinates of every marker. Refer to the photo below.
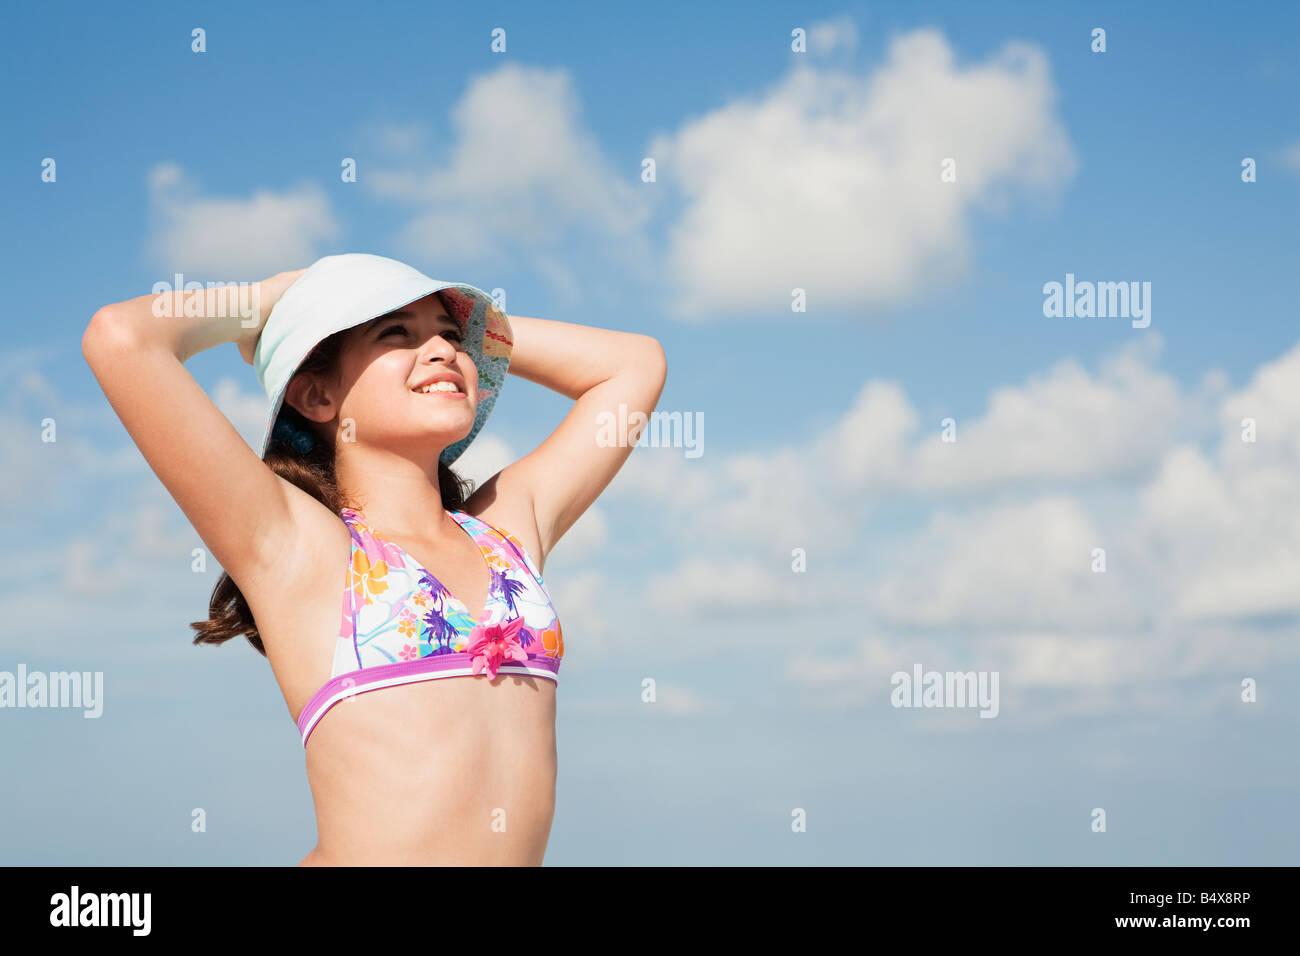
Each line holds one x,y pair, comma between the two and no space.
400,624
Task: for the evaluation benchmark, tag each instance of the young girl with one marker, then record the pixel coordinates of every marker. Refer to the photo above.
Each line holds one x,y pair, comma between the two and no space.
354,560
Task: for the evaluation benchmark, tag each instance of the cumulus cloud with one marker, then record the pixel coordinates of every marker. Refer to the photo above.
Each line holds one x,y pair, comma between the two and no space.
730,585
1007,565
830,182
522,172
1225,524
1066,423
1199,528
210,238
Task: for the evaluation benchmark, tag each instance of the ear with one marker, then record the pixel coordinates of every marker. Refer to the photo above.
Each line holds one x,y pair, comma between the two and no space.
309,399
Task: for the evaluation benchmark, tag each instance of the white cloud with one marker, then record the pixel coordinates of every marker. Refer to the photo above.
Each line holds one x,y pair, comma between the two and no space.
776,500
1272,400
664,476
233,238
1202,548
1057,661
831,182
870,444
769,502
1225,527
723,586
522,173
1064,424
1010,565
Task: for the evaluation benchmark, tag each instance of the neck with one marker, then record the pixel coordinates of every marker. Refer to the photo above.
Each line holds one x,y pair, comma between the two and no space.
394,493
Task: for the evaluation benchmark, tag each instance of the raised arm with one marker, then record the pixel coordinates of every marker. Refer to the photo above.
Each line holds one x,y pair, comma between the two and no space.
612,376
241,509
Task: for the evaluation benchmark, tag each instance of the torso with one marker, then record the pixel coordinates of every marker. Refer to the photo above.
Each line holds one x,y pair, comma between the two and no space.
453,771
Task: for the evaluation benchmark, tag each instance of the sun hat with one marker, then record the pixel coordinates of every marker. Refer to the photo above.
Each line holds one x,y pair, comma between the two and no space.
338,292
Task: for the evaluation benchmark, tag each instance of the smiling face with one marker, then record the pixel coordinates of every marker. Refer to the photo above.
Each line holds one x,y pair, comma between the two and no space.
384,371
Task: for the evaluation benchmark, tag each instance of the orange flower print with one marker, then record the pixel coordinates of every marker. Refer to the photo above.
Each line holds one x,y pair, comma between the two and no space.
407,625
422,599
553,641
369,578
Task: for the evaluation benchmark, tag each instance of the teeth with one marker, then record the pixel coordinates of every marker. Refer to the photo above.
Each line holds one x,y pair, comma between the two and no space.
440,387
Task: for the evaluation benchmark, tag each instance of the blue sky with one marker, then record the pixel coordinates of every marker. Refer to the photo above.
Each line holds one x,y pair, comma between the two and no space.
522,171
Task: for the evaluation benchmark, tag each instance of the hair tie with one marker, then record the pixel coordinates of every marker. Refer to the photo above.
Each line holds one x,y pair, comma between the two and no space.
298,439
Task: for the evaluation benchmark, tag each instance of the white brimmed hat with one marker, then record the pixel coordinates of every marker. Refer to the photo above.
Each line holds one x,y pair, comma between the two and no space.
339,292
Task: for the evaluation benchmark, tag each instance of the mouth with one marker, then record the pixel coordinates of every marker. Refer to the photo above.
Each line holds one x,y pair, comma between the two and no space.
441,390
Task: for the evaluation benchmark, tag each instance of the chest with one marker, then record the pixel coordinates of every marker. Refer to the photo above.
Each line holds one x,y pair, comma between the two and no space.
461,567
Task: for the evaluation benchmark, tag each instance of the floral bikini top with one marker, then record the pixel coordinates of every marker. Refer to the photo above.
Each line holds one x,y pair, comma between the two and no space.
400,625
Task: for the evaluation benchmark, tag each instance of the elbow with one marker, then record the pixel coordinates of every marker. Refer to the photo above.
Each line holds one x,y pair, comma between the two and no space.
642,358
102,328
654,360
93,332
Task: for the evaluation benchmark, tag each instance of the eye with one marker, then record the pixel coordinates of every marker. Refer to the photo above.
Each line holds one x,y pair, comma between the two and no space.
453,334
393,328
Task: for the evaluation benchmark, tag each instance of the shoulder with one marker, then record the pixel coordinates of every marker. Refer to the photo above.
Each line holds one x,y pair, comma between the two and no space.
508,507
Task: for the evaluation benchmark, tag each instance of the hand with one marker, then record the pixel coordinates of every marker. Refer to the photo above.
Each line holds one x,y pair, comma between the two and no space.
269,292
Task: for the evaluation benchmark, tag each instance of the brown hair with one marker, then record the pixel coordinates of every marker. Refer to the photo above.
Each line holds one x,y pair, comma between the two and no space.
228,613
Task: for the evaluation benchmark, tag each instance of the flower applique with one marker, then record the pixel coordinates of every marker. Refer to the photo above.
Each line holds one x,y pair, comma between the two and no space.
491,645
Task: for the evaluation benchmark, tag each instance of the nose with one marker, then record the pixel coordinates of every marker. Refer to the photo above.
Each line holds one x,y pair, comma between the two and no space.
438,348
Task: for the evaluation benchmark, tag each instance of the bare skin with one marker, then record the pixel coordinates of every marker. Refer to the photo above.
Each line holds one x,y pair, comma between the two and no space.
452,771
458,770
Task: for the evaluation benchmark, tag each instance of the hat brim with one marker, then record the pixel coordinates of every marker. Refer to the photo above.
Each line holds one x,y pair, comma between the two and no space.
315,313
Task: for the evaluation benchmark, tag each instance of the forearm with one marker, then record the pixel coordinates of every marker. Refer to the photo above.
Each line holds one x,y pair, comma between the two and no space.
186,323
570,359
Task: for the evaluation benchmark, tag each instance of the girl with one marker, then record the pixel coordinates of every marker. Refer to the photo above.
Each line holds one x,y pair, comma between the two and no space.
354,559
